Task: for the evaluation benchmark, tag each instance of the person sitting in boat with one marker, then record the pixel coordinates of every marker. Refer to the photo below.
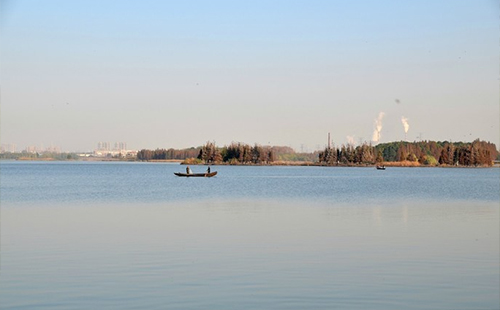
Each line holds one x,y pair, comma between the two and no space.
188,170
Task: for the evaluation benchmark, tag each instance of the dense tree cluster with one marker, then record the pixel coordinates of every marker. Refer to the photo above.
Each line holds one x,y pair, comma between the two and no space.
42,155
477,153
209,153
349,155
410,151
163,154
236,153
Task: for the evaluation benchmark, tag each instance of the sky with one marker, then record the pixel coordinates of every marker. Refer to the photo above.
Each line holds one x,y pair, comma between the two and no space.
176,74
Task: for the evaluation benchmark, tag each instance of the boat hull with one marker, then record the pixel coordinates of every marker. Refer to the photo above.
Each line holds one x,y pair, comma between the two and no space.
202,175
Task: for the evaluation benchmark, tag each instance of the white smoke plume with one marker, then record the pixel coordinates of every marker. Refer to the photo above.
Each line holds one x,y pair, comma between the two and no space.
378,127
404,120
350,140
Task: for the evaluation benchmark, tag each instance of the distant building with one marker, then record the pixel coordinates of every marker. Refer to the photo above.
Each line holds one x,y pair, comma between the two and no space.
103,146
53,149
32,149
8,148
38,149
119,149
120,146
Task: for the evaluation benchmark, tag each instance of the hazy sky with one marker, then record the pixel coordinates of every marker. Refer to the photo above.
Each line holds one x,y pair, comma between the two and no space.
161,74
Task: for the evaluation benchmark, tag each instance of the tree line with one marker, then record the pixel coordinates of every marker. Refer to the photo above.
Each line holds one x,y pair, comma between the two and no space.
170,154
41,155
350,155
236,153
476,153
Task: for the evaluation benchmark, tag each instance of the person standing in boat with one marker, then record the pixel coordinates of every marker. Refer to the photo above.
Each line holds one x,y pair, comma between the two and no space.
208,169
188,170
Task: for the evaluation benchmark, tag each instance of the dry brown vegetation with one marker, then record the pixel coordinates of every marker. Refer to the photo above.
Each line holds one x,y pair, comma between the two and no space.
405,163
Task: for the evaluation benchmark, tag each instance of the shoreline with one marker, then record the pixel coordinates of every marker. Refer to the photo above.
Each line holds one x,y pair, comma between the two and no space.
276,163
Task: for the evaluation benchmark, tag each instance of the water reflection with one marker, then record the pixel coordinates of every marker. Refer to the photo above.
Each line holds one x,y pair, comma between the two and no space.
249,254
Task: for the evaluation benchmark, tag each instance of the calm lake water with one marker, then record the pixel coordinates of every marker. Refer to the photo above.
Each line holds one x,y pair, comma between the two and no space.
82,235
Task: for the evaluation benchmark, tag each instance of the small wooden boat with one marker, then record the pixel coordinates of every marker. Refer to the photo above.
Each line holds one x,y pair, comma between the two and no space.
380,167
205,174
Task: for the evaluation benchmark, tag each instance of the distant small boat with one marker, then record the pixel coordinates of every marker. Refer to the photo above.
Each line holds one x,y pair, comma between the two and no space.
205,174
380,167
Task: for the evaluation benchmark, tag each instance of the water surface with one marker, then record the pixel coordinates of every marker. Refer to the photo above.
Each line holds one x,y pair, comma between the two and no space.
134,236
